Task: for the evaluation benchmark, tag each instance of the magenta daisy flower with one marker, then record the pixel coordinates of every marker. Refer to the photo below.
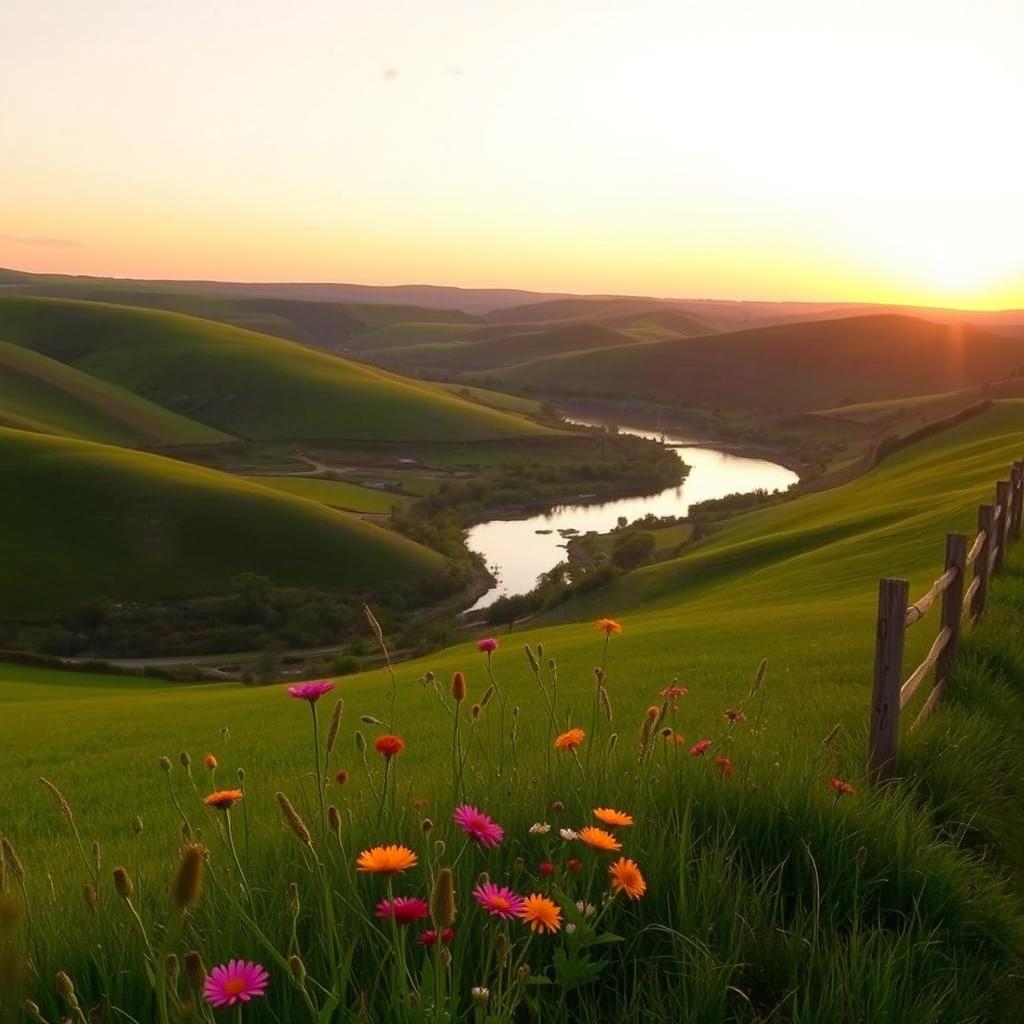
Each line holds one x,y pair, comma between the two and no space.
498,900
429,937
488,645
404,909
478,826
311,691
237,981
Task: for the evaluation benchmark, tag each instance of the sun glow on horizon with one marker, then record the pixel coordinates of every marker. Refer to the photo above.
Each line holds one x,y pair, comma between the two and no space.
679,149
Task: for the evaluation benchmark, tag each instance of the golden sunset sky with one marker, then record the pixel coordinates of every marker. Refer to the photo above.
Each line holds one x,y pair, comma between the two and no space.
776,149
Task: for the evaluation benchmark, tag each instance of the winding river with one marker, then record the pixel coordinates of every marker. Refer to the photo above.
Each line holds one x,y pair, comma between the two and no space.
517,554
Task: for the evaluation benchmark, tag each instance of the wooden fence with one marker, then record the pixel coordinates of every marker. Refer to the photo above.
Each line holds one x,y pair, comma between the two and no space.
998,524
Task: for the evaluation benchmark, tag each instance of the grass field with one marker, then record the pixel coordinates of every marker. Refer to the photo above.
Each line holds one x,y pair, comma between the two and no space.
82,520
247,384
769,898
336,493
39,393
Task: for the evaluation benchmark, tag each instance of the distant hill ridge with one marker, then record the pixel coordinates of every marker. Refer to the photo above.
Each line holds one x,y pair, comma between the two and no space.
249,385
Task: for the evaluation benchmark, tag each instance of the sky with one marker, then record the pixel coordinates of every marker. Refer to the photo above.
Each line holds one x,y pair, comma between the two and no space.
770,149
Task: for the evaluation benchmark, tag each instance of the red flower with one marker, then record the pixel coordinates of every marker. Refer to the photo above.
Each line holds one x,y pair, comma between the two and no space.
429,937
342,776
699,747
723,766
574,864
389,746
841,787
546,869
404,909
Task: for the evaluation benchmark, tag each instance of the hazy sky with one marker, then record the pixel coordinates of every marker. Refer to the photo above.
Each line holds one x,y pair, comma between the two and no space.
731,148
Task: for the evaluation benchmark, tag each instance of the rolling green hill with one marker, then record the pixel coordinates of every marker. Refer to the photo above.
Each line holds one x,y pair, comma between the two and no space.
249,385
786,368
81,520
39,393
492,348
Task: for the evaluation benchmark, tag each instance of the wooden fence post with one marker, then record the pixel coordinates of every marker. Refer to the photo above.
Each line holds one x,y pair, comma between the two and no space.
1003,504
986,525
952,603
1017,501
890,630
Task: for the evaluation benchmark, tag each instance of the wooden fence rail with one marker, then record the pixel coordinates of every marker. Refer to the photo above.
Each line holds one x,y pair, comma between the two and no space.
998,525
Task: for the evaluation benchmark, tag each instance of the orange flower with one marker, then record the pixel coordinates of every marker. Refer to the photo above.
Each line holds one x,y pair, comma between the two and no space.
616,819
626,878
223,799
386,860
570,740
723,766
842,787
541,914
676,739
211,762
609,627
389,746
598,839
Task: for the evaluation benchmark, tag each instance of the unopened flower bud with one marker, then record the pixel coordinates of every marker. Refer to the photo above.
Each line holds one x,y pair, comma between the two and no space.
123,883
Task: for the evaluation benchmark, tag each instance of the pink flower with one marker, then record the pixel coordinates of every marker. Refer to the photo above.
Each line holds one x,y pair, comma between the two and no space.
488,645
311,691
699,747
237,981
404,909
498,900
429,937
478,826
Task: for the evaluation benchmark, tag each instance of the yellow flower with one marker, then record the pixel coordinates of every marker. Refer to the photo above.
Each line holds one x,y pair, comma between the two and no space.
541,914
569,740
626,877
598,839
386,860
613,818
223,799
609,627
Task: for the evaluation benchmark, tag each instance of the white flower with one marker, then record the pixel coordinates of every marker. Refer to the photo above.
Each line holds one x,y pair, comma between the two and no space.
568,834
480,995
540,828
585,908
570,927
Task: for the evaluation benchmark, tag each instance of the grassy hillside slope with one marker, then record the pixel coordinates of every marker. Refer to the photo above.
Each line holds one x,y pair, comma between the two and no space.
250,385
81,520
490,349
789,368
39,393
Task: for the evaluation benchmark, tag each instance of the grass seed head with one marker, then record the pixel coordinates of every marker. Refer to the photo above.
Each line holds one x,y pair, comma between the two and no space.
442,899
188,882
62,805
332,731
92,898
123,883
298,970
165,763
186,761
292,819
195,970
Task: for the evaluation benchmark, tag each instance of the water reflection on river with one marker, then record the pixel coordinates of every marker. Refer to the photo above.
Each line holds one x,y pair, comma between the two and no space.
517,554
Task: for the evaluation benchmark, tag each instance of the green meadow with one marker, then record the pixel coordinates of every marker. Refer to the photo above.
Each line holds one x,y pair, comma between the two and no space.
336,493
769,896
249,385
142,526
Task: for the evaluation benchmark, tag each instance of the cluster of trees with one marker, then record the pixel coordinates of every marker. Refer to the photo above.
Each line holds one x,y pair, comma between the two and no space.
254,615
